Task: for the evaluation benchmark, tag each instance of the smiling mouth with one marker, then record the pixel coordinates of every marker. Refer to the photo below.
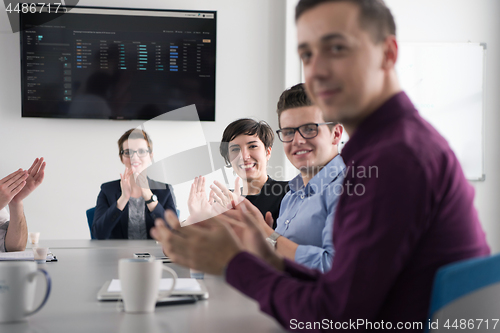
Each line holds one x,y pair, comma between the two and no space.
302,152
247,166
328,93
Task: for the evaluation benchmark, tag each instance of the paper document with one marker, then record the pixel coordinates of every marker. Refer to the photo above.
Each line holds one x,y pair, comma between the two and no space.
18,255
184,284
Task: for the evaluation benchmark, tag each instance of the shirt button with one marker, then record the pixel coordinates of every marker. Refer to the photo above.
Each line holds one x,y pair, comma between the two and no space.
302,196
287,221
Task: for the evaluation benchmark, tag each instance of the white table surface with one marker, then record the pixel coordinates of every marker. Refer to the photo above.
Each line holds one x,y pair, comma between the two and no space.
84,266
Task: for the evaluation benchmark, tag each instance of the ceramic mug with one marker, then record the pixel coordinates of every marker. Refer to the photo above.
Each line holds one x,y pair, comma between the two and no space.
17,289
140,283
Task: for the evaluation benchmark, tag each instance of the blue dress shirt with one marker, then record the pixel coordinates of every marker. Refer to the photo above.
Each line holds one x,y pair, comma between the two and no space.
306,215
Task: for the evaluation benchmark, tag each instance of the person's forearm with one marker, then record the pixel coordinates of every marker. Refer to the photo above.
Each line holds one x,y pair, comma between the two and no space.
275,261
17,233
122,202
284,246
152,205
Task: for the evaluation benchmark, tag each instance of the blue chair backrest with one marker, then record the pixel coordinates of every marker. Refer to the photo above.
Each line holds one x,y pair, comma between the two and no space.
90,220
464,293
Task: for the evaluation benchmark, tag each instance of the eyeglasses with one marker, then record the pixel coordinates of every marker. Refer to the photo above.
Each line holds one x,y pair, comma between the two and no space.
307,131
129,152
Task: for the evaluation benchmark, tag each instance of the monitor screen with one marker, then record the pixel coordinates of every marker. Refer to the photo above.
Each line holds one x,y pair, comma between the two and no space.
113,63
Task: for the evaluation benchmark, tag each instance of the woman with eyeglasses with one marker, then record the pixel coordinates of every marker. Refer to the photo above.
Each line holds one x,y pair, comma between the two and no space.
127,208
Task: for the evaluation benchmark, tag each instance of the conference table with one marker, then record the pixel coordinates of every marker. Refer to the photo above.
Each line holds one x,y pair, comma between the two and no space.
82,268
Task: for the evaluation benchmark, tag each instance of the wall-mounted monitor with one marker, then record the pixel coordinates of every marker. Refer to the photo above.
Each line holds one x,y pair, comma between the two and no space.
117,63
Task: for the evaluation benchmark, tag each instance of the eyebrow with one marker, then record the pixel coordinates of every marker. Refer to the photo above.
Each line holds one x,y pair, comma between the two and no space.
324,39
248,143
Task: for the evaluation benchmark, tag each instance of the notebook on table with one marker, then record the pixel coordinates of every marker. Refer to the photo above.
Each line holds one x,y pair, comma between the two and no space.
111,290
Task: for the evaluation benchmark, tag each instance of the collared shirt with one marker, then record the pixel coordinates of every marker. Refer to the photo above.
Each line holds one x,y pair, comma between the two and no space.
406,210
306,215
4,224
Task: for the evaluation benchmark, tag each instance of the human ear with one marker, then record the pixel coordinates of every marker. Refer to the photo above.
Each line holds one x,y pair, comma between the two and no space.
390,46
268,152
337,134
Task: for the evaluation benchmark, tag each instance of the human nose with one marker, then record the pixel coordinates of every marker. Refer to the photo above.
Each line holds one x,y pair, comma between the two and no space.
317,68
245,154
298,138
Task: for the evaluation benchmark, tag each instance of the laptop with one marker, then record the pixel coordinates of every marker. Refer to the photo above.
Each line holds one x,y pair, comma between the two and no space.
110,291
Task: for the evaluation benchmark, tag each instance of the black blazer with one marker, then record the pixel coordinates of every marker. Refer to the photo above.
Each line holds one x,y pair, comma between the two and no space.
112,223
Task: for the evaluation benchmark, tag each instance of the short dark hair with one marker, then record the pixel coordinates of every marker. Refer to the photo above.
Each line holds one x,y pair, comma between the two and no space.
294,97
245,126
134,133
375,16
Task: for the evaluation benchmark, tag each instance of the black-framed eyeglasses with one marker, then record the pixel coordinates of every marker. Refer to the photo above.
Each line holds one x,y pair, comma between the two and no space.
307,131
129,152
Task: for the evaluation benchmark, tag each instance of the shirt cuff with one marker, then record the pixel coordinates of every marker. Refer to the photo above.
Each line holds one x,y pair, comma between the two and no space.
313,257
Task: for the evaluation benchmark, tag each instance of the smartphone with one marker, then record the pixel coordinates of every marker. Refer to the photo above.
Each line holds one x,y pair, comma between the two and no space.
165,260
174,300
142,255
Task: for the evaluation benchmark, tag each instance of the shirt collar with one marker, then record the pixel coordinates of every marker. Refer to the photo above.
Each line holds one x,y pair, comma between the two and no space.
328,174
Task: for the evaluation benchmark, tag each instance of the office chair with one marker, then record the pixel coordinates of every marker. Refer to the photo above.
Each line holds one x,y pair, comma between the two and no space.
466,295
90,220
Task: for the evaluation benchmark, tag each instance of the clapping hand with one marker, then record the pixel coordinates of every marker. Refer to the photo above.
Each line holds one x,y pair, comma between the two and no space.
142,181
249,226
207,246
199,205
220,194
125,183
34,178
11,185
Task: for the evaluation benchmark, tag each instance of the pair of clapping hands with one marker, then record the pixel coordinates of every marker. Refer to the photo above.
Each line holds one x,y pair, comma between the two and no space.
202,207
221,232
15,187
140,180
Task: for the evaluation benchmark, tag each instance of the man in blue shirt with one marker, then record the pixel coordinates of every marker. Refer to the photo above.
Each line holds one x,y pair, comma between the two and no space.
307,210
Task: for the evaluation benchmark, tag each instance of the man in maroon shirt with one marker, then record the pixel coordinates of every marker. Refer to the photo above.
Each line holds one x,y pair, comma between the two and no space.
406,209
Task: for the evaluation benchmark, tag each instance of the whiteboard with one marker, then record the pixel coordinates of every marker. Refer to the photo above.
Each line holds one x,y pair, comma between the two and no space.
445,82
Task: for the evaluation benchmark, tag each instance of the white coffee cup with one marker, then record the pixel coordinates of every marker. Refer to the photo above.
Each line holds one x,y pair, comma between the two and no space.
17,289
140,283
34,237
40,254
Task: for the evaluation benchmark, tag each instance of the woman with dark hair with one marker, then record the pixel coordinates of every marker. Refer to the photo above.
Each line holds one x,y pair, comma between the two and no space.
127,208
246,147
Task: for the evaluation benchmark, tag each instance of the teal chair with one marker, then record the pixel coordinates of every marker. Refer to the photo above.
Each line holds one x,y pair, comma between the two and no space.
466,295
90,220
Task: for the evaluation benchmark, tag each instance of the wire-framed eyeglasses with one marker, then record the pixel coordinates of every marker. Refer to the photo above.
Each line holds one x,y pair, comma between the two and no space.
307,131
129,152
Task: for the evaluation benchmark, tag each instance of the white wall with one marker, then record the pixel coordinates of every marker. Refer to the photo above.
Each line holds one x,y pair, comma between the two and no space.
464,21
82,154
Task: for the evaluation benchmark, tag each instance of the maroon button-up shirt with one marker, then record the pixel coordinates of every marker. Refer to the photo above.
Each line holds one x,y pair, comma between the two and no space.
406,210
